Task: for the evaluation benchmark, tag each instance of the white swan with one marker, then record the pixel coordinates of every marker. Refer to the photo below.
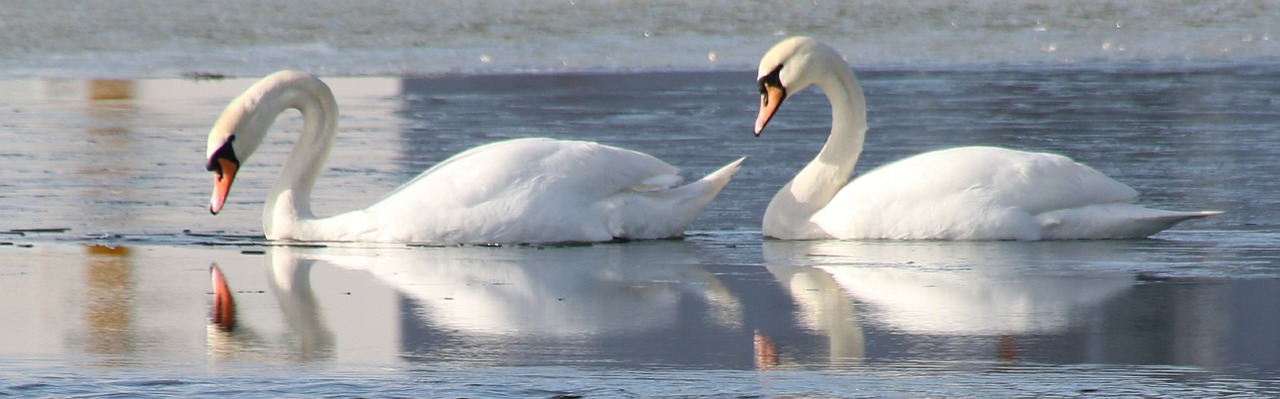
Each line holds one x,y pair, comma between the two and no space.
967,193
516,191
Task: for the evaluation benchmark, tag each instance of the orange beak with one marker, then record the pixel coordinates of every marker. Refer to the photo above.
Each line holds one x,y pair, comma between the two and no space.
222,178
770,99
224,307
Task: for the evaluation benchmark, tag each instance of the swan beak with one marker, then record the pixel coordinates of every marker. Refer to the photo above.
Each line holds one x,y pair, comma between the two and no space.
765,352
224,307
223,175
770,98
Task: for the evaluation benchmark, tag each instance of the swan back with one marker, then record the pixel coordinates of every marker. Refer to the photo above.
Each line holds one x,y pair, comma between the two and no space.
966,193
524,190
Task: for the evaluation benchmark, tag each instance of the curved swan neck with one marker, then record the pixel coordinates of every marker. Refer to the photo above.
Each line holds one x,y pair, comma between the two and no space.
848,120
289,201
814,186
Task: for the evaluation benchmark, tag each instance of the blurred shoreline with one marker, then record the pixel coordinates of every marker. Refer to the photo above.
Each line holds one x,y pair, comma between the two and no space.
134,39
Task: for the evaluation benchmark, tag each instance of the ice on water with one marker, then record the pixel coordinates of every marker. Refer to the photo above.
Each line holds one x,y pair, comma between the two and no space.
135,39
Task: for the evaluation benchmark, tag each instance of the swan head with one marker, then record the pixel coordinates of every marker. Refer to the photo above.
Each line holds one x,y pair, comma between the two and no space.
789,67
229,145
224,164
241,128
240,131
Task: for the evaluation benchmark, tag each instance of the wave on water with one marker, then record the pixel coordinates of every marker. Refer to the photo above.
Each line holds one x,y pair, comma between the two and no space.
136,38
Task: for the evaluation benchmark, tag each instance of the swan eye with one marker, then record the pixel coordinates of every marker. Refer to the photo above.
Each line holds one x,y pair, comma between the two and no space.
772,79
224,152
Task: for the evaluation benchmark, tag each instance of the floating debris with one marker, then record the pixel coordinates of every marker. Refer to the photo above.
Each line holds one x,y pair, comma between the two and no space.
417,245
226,244
37,230
196,75
294,245
103,236
223,234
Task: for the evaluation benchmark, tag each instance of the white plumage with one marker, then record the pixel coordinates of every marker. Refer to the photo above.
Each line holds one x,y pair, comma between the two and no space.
516,191
967,193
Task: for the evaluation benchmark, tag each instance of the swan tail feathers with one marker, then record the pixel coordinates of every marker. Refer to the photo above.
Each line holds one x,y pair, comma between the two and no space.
699,194
1112,221
1162,222
667,213
695,196
718,179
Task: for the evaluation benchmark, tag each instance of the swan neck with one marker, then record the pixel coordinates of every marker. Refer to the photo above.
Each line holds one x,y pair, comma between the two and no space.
830,170
848,122
814,186
289,202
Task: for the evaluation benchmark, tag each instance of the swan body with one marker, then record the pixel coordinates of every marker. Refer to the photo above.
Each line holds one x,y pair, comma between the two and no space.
967,193
532,190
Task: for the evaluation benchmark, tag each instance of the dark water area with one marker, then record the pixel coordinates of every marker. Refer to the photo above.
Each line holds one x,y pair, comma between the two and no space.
115,297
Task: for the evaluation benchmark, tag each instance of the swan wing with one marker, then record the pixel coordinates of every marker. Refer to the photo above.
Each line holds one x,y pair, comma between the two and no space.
578,168
535,190
966,193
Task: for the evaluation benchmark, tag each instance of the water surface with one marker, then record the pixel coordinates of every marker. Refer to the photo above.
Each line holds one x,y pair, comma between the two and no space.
106,242
113,296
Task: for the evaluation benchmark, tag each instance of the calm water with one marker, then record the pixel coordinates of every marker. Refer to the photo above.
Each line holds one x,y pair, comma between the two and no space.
118,302
106,241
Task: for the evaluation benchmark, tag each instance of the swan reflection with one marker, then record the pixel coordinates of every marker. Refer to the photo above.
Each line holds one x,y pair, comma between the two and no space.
668,302
307,337
451,299
549,292
950,288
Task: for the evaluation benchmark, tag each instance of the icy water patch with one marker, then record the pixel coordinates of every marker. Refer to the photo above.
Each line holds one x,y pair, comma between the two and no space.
107,244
